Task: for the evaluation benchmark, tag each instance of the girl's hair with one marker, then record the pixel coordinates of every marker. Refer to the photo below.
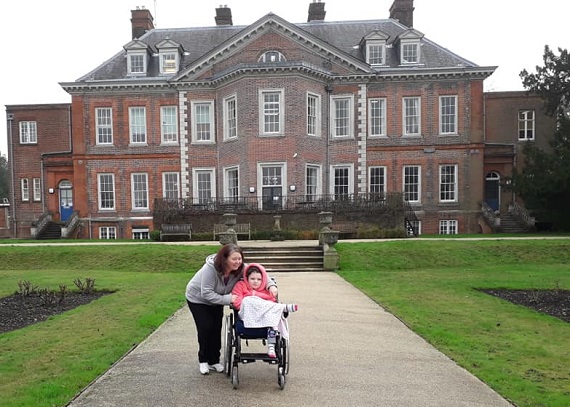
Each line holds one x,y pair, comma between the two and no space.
252,270
224,253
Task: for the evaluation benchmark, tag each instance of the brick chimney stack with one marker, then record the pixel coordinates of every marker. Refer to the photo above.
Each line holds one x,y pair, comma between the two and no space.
403,11
141,21
224,16
316,11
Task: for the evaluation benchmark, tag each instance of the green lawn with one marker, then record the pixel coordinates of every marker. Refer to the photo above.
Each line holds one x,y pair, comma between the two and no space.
429,284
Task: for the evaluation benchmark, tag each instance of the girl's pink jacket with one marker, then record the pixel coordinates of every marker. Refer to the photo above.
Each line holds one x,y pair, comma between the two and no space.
243,289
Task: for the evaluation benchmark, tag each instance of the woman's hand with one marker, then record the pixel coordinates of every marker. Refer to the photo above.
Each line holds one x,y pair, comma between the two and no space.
273,290
234,299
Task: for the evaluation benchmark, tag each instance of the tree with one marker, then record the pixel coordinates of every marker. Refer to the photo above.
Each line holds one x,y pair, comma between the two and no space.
544,181
4,178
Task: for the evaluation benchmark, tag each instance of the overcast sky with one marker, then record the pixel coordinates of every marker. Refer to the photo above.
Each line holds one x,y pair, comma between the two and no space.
48,42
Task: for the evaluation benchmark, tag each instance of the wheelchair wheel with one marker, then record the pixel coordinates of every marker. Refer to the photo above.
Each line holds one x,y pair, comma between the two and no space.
235,376
228,345
285,354
281,377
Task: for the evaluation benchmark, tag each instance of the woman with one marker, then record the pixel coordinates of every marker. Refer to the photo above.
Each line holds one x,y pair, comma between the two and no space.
207,293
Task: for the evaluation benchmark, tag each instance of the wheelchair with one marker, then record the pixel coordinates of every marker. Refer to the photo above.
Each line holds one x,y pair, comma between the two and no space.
234,336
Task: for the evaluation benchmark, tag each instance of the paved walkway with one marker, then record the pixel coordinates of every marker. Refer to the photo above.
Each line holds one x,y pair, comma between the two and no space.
346,350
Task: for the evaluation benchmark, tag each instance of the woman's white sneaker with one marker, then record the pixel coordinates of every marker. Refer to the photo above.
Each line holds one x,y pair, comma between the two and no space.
218,367
204,368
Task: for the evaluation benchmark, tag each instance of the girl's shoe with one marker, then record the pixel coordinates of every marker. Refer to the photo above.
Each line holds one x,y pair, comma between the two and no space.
271,351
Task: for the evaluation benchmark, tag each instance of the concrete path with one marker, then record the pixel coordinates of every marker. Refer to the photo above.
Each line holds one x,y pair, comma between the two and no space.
345,351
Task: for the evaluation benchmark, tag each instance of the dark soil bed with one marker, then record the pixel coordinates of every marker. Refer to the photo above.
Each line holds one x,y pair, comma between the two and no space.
18,312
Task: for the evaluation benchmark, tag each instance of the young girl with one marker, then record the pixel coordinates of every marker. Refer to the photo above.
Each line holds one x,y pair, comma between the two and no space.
256,306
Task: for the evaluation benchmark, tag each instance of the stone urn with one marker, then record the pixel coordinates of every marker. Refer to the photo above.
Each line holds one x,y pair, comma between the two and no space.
325,220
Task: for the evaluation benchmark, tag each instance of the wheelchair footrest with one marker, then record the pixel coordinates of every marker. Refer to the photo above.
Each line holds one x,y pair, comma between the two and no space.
252,357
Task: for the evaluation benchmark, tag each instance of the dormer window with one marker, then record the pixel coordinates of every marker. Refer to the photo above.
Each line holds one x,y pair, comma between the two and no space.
409,46
169,53
373,46
137,58
272,56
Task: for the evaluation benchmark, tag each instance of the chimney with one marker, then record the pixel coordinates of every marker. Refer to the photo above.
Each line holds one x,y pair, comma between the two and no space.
141,21
316,11
403,11
224,16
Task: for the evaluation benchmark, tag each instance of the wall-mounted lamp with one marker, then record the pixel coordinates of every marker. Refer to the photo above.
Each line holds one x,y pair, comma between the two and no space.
292,188
251,190
51,190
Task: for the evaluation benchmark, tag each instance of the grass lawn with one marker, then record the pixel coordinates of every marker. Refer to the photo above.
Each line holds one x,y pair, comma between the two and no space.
430,285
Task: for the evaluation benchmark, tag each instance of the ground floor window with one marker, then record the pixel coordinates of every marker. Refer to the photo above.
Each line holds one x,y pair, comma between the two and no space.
107,232
141,234
447,227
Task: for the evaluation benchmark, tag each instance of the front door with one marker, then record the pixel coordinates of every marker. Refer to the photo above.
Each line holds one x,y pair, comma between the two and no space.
272,188
65,200
492,191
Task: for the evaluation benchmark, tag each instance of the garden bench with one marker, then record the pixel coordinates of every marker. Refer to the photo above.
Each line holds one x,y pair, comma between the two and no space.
179,229
243,229
345,228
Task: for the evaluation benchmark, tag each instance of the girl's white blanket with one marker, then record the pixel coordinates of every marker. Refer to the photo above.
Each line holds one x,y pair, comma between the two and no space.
256,312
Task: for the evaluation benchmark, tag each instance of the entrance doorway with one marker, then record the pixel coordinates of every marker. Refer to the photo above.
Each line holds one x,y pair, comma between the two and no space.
493,190
65,200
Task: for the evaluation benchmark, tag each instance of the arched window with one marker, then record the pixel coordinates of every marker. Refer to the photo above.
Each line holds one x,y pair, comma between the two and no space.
272,56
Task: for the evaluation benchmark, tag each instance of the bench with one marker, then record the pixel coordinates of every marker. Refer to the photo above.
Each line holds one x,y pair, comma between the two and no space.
345,228
181,229
243,229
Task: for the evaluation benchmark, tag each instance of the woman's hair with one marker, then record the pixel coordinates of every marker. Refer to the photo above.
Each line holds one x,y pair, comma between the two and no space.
223,255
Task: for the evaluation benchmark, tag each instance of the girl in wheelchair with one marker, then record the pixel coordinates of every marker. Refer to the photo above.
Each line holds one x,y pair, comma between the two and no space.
256,306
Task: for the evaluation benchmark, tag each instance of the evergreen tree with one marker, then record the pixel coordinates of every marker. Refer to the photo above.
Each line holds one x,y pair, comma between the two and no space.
4,178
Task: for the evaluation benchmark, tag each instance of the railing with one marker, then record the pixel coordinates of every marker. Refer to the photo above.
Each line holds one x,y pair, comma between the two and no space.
70,225
521,213
39,225
489,215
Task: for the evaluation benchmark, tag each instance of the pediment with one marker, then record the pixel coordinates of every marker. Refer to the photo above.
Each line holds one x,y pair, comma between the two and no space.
376,35
167,43
411,34
136,45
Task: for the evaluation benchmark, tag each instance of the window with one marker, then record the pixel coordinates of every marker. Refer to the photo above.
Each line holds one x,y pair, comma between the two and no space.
375,54
139,188
416,225
203,122
137,64
342,116
313,114
412,191
272,56
37,186
104,125
106,186
230,118
377,114
271,112
204,185
107,232
141,234
410,53
28,133
137,122
448,183
232,184
312,183
168,62
377,181
448,115
25,188
342,182
447,227
411,116
170,185
526,125
168,124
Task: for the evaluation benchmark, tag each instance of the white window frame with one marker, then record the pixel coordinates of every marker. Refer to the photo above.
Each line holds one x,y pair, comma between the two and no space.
196,172
104,126
344,122
272,56
377,189
448,183
377,117
409,53
37,189
526,119
231,191
28,132
448,227
203,119
140,234
137,125
412,116
375,58
25,189
270,109
139,191
448,114
101,199
313,114
108,232
169,124
230,118
132,65
312,192
412,188
169,61
333,185
171,185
